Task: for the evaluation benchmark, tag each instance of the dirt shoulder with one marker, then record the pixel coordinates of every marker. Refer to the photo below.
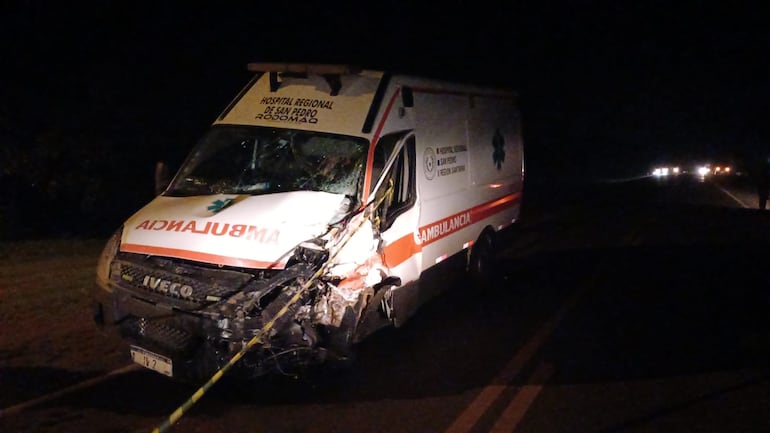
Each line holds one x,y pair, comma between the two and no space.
48,339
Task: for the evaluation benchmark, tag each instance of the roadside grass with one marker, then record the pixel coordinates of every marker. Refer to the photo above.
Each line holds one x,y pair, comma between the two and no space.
16,251
46,309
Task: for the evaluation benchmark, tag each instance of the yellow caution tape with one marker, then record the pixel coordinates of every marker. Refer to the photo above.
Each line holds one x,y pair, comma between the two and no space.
257,338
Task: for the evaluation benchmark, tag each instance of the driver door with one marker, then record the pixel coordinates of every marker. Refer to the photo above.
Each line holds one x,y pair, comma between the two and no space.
397,218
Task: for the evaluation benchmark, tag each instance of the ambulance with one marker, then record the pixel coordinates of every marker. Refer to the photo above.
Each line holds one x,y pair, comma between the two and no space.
307,215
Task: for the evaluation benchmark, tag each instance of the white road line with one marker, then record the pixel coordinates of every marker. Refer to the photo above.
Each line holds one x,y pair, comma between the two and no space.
745,206
476,409
519,406
70,389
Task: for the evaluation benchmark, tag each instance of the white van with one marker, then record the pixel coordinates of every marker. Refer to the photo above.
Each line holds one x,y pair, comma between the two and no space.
344,184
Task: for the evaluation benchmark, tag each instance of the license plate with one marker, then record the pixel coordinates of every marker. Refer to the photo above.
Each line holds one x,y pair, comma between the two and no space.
153,361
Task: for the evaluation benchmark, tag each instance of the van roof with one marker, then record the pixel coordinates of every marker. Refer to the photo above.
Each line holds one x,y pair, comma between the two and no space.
304,68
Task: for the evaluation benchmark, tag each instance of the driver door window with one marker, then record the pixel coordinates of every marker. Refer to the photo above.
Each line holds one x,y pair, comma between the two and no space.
399,185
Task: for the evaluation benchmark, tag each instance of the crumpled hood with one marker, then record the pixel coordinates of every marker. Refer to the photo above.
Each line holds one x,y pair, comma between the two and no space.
234,230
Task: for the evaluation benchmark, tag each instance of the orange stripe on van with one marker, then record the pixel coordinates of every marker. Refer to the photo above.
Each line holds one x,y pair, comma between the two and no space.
488,209
199,257
395,252
405,247
401,250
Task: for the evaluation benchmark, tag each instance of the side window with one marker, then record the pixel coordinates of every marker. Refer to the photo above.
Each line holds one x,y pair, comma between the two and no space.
385,146
401,179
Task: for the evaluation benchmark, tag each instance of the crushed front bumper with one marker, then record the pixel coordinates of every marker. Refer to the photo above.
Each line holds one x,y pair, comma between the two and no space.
195,344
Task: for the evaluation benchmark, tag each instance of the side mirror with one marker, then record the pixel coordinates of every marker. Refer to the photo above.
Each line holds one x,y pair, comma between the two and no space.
162,177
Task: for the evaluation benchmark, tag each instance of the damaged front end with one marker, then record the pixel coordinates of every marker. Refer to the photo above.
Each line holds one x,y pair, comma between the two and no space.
195,317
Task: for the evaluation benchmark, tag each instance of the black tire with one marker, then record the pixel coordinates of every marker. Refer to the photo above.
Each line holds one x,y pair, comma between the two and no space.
482,260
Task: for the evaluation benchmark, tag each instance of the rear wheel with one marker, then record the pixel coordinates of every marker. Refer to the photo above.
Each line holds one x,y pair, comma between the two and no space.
481,261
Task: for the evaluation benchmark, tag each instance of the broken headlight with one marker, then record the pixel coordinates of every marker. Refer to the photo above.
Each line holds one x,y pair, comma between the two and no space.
310,252
105,259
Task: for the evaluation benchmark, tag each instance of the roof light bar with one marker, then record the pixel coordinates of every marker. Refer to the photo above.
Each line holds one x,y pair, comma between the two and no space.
304,68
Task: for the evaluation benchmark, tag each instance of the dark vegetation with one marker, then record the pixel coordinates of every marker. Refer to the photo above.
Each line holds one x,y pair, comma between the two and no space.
59,181
92,97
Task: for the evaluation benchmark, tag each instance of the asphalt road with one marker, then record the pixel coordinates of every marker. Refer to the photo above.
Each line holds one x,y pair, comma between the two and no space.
634,306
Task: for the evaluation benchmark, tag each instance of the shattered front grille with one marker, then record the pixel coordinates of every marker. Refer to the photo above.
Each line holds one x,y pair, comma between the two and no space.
180,280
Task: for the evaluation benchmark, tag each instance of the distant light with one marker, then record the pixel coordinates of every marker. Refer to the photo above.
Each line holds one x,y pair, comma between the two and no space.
703,170
727,169
675,170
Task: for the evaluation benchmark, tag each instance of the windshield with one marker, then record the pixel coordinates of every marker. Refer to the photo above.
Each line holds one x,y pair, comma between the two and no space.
258,160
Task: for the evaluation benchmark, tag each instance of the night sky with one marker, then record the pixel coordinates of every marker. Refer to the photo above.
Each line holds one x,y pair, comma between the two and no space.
607,87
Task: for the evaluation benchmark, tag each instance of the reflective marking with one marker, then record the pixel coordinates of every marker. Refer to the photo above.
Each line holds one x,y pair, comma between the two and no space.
519,406
70,389
199,257
745,206
405,247
475,410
